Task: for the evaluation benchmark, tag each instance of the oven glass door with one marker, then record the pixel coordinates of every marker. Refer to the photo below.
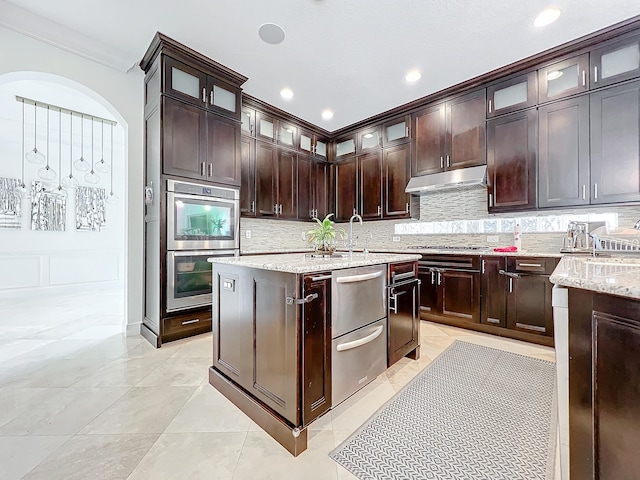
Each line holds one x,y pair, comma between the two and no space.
189,278
200,222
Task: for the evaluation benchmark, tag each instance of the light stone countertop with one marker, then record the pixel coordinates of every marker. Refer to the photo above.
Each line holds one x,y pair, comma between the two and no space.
302,263
426,251
617,275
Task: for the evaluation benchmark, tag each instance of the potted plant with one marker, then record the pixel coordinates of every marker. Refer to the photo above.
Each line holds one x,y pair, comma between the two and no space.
324,235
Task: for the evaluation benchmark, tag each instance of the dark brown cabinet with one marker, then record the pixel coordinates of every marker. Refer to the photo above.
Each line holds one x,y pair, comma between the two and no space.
248,176
604,379
312,144
370,185
276,181
561,79
511,161
369,140
512,95
346,177
563,153
397,131
615,61
529,304
312,188
492,290
395,176
223,150
403,313
344,147
450,135
615,144
287,184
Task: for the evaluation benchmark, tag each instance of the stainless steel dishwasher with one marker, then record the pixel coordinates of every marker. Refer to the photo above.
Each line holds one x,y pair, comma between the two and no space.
358,330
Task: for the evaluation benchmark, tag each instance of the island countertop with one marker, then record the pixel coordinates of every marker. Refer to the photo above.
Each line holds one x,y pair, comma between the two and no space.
617,275
304,263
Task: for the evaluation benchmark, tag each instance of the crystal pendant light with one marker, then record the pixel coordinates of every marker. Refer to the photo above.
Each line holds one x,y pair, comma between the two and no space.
69,181
92,176
81,164
102,166
35,156
112,198
21,189
46,172
60,191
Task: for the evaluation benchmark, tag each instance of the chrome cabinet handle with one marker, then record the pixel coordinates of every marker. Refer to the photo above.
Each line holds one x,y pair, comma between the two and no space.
253,206
406,131
301,301
321,277
202,168
491,199
595,74
275,208
211,97
406,207
441,161
379,211
584,191
204,95
510,285
595,190
535,328
359,278
448,161
211,169
362,341
584,78
490,106
530,265
439,277
280,210
483,266
189,322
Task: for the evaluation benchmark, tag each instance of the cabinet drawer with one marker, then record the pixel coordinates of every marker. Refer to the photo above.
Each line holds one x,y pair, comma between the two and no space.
540,265
402,270
186,325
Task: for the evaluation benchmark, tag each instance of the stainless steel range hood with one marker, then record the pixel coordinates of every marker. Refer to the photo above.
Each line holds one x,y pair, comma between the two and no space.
462,177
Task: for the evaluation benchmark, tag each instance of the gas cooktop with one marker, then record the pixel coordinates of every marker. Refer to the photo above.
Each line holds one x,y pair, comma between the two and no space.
447,247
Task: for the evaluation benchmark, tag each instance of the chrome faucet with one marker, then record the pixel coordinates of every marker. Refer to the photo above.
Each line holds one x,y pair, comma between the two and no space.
351,243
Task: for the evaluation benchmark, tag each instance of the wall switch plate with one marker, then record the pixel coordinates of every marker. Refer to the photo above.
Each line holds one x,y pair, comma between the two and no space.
395,238
493,238
247,234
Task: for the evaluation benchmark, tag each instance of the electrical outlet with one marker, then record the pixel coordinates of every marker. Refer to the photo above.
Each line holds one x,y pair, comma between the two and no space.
247,234
303,235
493,238
395,238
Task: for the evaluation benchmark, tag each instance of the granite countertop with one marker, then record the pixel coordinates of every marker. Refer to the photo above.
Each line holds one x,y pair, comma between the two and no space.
617,275
426,251
302,263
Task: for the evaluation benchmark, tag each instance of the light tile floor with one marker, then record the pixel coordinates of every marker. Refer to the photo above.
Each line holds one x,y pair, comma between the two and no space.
79,400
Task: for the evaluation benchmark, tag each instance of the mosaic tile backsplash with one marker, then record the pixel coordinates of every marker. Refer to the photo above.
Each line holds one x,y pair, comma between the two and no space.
456,218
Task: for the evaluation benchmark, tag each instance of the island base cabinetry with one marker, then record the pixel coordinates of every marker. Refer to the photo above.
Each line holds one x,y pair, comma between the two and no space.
604,385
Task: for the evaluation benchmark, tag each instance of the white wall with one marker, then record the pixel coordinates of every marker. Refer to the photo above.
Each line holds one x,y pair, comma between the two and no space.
122,96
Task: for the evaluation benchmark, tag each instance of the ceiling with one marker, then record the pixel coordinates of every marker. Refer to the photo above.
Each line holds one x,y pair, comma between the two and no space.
347,56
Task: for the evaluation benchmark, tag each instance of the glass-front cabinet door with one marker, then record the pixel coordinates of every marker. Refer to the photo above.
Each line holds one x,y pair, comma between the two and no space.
512,95
615,62
223,99
320,149
287,134
396,131
369,139
345,148
248,118
265,127
563,78
185,82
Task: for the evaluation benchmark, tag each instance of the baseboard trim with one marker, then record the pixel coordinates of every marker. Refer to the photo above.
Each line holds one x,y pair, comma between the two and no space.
151,337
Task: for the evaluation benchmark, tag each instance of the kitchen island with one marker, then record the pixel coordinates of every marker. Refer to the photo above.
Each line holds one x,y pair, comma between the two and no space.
294,335
598,348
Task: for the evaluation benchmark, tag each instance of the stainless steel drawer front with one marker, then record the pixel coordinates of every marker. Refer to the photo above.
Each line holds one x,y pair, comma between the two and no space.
357,359
358,297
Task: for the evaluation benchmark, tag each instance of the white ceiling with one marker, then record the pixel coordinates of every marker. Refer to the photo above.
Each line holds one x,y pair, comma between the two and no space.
349,56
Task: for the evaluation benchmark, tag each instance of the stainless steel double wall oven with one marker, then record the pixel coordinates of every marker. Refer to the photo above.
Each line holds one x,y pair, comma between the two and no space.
202,221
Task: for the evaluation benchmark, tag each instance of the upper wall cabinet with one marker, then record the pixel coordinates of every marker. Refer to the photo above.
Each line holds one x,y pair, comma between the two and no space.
397,131
265,127
450,135
562,79
512,95
311,144
344,147
369,140
615,61
248,118
195,86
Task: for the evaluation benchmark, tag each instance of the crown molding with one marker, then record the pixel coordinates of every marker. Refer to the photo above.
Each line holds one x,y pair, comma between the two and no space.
42,29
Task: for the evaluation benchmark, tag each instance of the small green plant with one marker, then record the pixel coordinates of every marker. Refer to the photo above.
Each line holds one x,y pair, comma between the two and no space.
217,224
324,235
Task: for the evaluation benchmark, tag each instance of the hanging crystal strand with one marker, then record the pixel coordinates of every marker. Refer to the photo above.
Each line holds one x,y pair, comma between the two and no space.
35,156
92,177
112,199
102,166
21,189
46,172
60,191
81,164
70,181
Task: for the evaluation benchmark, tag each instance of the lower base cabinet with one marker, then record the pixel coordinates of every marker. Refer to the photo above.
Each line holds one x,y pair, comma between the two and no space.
404,315
604,386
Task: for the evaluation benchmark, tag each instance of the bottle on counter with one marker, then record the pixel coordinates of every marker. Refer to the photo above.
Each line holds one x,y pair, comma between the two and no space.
517,237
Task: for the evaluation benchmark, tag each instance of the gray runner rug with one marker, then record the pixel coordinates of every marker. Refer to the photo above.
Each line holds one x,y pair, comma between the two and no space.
473,413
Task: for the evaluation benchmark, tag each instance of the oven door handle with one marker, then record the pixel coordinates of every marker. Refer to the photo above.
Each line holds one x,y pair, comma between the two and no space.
188,196
359,278
193,253
361,341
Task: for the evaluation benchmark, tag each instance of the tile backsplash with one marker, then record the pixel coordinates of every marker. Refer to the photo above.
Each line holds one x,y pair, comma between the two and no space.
456,218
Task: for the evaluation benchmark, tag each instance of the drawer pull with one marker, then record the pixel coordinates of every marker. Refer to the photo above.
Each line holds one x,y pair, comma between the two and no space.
359,278
300,301
362,341
531,327
493,320
189,322
538,265
321,277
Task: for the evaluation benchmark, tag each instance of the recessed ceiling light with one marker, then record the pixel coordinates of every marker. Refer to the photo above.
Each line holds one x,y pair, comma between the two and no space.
547,17
368,135
413,76
554,74
327,115
271,33
286,93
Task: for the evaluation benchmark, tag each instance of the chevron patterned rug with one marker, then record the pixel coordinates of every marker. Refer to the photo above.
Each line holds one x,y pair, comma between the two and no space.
473,413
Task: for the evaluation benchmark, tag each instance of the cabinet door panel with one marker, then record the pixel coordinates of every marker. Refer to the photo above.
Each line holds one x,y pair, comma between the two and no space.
248,178
223,156
615,144
428,291
512,95
320,183
404,321
511,161
305,191
429,132
185,82
466,138
615,62
265,127
346,178
493,292
183,131
529,305
395,178
461,295
266,188
564,153
344,148
396,131
287,188
565,78
369,140
370,183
